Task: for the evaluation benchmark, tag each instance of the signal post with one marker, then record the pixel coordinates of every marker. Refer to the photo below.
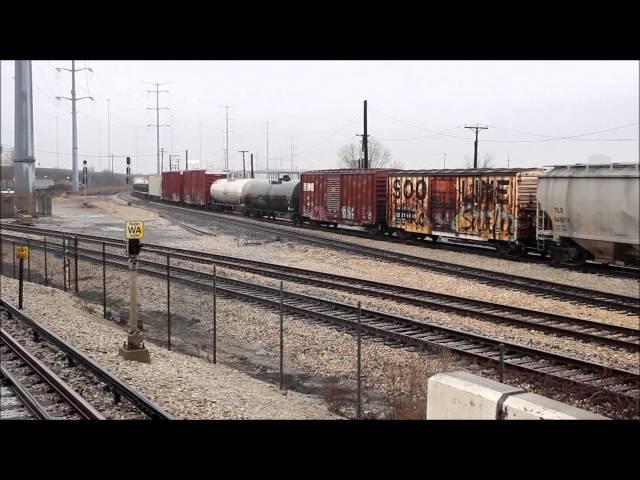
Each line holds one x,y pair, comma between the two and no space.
133,348
21,254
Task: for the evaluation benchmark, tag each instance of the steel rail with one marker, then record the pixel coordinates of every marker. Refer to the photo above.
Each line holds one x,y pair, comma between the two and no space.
28,401
590,375
70,396
578,295
145,405
610,270
579,328
542,287
583,329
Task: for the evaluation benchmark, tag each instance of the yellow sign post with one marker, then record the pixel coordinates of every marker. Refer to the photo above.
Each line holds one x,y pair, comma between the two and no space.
134,229
22,252
133,348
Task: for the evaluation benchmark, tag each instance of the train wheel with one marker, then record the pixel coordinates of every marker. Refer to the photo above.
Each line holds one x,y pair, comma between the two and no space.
403,235
503,249
557,256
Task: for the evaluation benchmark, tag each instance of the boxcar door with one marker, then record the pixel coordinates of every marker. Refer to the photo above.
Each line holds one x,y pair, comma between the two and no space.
442,203
333,196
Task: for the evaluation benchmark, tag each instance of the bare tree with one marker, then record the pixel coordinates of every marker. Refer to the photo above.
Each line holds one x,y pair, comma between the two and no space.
467,161
7,156
488,160
350,155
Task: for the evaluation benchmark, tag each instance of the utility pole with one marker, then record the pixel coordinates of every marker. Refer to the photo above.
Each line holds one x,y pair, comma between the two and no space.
24,162
74,122
267,148
365,138
475,144
244,175
365,147
186,159
172,150
109,132
291,154
444,165
57,138
507,160
157,91
252,165
226,151
2,258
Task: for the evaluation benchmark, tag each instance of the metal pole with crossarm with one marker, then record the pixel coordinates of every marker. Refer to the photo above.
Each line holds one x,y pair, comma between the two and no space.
74,121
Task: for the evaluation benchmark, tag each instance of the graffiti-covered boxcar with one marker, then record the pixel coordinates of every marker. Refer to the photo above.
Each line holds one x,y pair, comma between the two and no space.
345,196
492,205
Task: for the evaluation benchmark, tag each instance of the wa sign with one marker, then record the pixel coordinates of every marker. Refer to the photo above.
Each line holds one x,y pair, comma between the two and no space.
134,229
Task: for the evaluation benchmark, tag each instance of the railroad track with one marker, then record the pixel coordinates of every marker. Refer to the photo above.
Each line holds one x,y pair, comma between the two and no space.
582,329
540,287
613,271
407,332
17,324
38,390
544,288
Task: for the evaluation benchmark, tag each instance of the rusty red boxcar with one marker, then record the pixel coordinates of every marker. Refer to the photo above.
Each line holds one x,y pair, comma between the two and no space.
345,196
196,185
172,190
489,205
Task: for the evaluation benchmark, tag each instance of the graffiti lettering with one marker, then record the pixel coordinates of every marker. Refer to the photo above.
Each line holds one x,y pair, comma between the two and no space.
396,188
421,189
348,213
408,188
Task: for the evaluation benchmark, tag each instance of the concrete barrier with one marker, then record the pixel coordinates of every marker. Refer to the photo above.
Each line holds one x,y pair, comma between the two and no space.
529,406
464,396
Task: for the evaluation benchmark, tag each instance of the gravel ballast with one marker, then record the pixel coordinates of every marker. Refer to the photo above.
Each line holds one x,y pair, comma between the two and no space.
315,348
185,386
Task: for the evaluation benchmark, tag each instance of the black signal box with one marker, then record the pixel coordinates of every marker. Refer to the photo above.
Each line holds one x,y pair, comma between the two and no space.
133,246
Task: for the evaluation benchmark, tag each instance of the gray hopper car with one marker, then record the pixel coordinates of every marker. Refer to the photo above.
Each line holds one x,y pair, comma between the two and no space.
590,212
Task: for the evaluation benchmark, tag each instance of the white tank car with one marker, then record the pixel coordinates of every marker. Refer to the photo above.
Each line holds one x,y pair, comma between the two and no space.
229,192
592,212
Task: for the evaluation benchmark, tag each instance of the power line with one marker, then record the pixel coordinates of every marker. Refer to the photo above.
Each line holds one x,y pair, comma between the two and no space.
332,134
84,154
267,148
547,137
419,127
551,139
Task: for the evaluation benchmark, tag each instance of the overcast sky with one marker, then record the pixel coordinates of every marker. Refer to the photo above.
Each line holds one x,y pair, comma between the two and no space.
418,109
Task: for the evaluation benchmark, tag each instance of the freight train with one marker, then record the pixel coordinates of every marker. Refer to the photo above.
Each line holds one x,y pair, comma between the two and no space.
569,213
